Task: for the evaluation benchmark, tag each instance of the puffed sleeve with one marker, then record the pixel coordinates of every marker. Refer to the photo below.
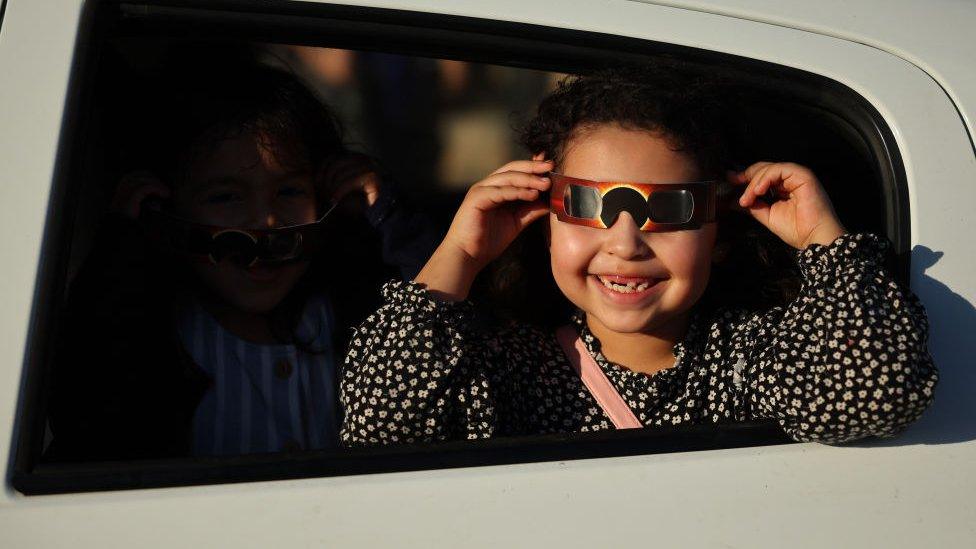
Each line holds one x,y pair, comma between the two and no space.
415,373
848,357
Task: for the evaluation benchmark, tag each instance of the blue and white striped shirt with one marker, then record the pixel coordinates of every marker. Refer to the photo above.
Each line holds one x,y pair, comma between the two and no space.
265,397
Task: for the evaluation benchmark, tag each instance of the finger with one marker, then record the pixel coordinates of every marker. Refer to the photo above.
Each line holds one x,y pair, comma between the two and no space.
529,213
759,211
346,188
132,207
157,190
338,178
750,194
489,198
751,171
371,188
768,178
795,176
782,180
517,179
526,166
736,178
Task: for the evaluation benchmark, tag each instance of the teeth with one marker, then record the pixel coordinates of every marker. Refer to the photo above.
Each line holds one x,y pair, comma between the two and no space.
628,288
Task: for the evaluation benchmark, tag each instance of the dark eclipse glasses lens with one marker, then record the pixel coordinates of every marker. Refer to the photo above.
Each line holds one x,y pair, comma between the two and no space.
662,206
671,206
235,246
245,249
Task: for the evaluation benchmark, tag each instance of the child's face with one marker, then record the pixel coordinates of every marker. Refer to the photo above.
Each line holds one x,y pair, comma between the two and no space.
674,266
242,184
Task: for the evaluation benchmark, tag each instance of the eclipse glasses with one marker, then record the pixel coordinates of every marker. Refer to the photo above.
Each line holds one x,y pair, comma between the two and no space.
654,207
244,247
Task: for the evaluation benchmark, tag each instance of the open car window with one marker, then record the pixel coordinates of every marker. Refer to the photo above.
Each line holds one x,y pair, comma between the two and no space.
435,100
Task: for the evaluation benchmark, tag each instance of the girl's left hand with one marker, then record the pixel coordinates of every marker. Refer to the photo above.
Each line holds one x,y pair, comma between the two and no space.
368,184
803,215
353,173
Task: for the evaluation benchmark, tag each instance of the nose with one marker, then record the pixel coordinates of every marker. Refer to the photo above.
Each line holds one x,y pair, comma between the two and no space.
624,240
262,215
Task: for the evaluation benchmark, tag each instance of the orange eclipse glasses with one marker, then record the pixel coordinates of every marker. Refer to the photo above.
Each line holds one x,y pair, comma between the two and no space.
654,207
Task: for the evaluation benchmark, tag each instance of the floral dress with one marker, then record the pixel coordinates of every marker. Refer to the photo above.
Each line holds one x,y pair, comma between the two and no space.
846,359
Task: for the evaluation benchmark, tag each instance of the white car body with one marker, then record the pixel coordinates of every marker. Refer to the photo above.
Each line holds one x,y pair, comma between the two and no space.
913,61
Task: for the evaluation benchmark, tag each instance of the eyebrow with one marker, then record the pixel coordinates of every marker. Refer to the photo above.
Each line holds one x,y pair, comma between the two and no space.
291,175
207,184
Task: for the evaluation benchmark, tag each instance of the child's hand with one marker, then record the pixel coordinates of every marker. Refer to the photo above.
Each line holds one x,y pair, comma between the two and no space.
353,173
134,189
493,213
803,215
368,184
496,209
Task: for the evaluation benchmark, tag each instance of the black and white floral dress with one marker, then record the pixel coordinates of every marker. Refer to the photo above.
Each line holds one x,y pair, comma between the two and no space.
845,360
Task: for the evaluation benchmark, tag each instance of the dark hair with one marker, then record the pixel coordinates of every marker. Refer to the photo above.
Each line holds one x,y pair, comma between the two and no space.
695,112
203,104
666,98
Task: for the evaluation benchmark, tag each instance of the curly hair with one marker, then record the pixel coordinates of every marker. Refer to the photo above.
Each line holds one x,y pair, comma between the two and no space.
665,98
694,111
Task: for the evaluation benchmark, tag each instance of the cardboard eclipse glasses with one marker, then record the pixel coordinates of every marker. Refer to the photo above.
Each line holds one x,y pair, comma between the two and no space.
244,247
654,207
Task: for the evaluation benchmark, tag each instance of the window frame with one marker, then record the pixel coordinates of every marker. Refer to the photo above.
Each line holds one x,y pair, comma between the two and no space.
406,33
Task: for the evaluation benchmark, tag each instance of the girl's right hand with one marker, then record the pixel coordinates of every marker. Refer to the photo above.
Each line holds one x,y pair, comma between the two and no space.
497,209
493,213
134,189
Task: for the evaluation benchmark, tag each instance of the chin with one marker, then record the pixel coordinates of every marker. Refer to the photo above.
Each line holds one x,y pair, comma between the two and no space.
644,320
248,296
257,305
627,323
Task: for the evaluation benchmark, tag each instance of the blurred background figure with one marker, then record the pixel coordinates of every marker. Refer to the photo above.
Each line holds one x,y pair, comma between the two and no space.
437,125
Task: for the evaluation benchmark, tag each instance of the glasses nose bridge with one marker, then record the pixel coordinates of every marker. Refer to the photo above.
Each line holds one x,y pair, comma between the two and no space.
262,213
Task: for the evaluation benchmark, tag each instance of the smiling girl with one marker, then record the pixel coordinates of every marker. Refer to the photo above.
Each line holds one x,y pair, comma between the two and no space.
626,176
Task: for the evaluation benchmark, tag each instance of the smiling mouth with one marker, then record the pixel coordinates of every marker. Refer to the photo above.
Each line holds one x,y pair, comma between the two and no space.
262,273
627,284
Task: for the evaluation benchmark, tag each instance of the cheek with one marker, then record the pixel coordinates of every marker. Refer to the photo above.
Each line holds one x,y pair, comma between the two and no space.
687,254
215,276
308,213
297,210
571,249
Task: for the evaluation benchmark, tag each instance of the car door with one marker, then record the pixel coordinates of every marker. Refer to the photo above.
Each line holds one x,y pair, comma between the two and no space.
902,492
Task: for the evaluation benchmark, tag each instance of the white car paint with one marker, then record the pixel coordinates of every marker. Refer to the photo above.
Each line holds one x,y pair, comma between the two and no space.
935,35
911,491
